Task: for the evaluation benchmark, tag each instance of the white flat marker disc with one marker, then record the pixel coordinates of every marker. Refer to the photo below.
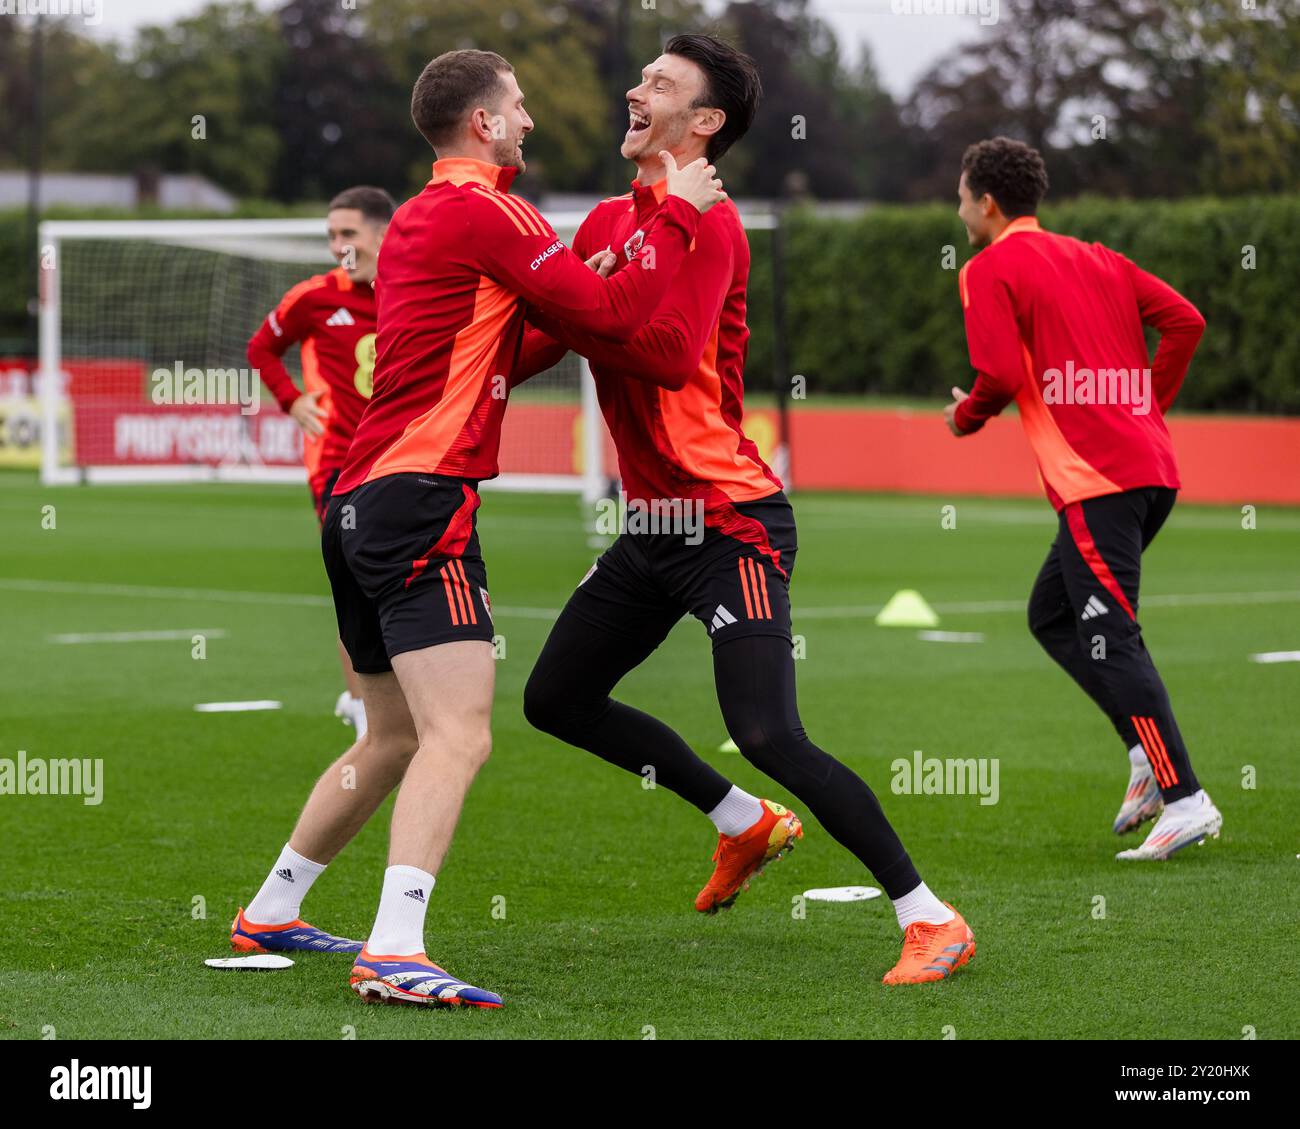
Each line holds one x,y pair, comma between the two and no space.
236,707
262,962
951,636
842,894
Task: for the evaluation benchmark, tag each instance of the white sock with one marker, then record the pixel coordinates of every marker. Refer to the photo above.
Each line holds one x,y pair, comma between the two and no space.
399,925
738,812
279,900
1187,804
1137,757
921,905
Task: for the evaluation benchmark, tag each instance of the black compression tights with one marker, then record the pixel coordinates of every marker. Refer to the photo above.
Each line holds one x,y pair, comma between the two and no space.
568,696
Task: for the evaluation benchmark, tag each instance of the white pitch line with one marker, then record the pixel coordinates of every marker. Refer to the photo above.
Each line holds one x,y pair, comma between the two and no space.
981,607
214,596
802,611
236,707
145,592
137,636
1211,599
1276,657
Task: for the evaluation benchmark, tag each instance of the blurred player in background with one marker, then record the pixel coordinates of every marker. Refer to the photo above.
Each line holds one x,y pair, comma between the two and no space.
673,400
400,536
1056,325
332,318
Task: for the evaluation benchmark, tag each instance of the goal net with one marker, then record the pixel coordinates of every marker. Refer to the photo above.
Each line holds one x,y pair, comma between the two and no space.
144,326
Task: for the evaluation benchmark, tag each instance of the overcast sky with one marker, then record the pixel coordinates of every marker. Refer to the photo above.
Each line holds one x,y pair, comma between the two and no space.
903,45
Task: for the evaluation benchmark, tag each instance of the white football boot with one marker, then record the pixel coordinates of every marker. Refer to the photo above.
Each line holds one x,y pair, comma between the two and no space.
343,708
351,711
1142,800
1181,824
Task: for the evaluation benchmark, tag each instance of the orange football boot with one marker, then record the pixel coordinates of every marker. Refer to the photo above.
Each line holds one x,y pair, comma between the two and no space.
932,952
742,857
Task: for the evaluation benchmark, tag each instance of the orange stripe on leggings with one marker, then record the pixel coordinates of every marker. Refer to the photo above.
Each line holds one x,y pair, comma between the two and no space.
1155,751
1159,743
1147,747
1164,753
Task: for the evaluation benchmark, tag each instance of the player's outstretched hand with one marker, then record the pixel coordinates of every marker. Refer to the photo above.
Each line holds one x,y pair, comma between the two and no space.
950,412
697,183
602,262
308,414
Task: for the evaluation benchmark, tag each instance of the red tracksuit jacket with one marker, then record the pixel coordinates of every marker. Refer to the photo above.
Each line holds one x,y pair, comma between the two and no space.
1056,325
673,397
334,320
458,264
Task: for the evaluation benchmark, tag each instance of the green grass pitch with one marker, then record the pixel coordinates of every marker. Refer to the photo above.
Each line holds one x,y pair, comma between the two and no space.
108,911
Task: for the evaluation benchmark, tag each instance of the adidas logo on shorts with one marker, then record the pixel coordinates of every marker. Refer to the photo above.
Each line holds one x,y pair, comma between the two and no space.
721,618
1093,608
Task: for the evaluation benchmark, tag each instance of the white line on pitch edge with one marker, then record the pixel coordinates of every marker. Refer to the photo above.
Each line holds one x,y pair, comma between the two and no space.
160,592
802,611
136,636
236,707
974,607
1276,657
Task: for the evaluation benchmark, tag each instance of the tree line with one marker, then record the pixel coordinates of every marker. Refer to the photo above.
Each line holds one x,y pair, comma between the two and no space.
1137,98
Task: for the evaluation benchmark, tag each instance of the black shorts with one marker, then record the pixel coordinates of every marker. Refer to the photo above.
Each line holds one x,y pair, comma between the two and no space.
733,576
403,560
320,493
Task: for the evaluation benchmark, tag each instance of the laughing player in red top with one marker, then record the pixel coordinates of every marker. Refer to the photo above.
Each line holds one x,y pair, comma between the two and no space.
459,264
1056,325
673,400
332,318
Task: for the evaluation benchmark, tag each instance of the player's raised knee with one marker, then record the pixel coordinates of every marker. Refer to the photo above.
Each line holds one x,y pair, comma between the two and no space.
754,742
543,707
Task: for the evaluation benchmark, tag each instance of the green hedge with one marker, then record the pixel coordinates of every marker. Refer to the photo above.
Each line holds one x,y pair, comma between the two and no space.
872,309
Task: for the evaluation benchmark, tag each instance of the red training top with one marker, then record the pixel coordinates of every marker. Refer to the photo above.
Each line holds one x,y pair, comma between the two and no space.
1056,325
673,396
334,320
458,263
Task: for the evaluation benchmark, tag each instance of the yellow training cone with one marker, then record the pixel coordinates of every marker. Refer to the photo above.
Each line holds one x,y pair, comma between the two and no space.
907,608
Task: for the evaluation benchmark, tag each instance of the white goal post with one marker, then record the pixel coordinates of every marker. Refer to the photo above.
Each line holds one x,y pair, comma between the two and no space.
122,299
